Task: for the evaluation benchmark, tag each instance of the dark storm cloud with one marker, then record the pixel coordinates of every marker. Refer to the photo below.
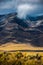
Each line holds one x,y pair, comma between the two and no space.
3,0
41,1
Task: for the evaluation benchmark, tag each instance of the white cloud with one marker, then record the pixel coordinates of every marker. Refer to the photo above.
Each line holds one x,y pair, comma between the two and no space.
22,6
12,3
25,9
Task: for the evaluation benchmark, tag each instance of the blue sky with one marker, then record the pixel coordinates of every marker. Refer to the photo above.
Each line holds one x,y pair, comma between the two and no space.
31,7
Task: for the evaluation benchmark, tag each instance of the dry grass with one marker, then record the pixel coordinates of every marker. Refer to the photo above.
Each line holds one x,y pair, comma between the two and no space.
13,46
21,58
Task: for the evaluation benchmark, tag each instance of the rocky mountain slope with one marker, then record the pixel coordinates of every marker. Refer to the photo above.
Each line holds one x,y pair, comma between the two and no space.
18,30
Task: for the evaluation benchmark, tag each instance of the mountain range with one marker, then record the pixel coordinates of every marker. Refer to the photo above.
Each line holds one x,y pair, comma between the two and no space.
25,30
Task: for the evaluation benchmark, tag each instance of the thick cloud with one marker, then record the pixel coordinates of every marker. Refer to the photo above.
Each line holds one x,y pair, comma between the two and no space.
25,9
4,0
41,1
34,6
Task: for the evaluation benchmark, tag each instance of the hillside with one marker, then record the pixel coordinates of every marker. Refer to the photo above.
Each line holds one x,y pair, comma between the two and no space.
13,28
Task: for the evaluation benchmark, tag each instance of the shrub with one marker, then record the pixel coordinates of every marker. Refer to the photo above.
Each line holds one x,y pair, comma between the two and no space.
18,58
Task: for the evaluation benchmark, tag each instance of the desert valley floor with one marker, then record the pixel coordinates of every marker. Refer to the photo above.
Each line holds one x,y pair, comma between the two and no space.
14,46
